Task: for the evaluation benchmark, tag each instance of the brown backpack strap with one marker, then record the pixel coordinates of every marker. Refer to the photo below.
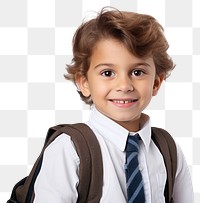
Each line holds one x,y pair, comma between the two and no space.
91,167
167,147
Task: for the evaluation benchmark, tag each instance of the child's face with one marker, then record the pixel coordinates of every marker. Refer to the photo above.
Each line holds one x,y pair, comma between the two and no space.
120,84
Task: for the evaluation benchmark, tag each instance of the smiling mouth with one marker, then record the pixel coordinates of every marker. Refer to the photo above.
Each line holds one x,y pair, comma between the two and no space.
123,101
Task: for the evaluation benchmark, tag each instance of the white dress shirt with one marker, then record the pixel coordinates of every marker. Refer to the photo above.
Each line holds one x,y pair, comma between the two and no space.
58,178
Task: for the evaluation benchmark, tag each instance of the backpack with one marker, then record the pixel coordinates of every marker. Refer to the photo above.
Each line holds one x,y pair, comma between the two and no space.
167,147
89,152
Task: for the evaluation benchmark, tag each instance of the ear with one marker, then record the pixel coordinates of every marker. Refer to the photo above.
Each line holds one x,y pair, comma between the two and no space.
157,83
82,84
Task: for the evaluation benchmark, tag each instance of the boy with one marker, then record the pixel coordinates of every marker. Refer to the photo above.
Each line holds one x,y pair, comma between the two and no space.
119,63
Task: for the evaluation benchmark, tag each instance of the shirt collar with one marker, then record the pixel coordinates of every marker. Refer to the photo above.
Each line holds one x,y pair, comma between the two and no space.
115,133
145,130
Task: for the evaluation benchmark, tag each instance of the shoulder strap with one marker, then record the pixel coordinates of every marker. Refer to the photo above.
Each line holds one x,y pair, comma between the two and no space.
167,147
91,167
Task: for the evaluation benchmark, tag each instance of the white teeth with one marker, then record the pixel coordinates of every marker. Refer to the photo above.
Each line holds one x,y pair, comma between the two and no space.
123,101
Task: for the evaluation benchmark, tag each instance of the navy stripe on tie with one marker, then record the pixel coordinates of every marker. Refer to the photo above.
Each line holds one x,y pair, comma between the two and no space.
132,177
135,189
135,194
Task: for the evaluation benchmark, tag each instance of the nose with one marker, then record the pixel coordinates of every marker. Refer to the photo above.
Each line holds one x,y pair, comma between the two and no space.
124,84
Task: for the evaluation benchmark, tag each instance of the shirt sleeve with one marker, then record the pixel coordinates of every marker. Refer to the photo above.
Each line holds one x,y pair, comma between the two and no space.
58,178
183,190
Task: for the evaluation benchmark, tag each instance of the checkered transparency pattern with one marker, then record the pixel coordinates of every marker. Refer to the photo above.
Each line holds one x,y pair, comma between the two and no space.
35,46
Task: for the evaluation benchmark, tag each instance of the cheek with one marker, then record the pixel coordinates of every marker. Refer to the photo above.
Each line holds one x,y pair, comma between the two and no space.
99,92
146,92
146,88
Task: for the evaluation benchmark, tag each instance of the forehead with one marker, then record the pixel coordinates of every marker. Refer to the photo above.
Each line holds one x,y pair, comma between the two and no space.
114,51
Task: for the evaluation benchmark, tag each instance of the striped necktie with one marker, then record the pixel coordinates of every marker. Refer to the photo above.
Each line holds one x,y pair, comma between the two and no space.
135,189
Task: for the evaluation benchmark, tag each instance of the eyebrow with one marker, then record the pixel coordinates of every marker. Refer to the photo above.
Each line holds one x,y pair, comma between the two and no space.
132,66
104,64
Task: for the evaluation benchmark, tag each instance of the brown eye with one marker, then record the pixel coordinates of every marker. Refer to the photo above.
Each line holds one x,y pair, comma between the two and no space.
137,73
107,73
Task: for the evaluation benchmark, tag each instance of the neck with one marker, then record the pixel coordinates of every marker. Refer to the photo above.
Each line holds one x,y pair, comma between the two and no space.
134,125
131,126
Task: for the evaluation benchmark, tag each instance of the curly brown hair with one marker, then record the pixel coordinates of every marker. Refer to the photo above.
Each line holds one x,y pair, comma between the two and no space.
141,34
